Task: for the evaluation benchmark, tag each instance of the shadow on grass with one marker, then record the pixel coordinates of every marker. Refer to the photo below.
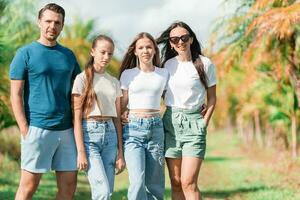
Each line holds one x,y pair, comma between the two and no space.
231,192
220,159
6,182
122,194
221,194
7,195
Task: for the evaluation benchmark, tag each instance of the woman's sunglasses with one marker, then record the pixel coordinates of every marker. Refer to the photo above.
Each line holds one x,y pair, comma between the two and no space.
183,38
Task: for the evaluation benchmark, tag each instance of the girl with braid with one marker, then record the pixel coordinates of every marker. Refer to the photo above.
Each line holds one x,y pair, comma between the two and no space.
97,127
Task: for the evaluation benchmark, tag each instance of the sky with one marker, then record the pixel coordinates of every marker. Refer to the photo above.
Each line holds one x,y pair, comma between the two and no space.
124,19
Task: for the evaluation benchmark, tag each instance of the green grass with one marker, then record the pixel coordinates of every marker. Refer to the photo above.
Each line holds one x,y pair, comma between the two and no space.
229,172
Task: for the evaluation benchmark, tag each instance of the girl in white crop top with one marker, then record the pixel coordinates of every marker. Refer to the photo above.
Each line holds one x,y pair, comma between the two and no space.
192,82
96,101
143,84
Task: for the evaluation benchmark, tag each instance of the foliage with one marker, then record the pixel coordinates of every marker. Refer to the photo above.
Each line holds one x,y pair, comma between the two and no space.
18,27
257,51
78,36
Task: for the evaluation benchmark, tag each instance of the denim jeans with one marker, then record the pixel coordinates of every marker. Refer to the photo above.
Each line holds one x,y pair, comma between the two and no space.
100,141
144,155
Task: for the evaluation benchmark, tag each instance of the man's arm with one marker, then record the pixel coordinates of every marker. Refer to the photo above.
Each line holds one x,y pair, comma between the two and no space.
16,98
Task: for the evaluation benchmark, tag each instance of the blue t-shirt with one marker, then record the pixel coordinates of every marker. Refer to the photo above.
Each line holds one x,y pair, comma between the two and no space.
48,74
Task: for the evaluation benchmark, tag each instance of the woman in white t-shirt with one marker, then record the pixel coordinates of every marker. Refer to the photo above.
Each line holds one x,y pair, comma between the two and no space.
97,127
143,83
192,81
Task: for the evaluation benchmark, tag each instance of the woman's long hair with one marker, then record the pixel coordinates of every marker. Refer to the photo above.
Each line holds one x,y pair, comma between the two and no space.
168,52
130,60
88,97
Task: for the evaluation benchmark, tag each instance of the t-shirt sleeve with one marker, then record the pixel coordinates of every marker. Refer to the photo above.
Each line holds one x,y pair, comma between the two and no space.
79,84
118,89
18,66
167,77
124,80
211,74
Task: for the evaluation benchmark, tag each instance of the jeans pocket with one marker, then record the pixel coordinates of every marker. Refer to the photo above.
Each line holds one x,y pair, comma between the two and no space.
93,131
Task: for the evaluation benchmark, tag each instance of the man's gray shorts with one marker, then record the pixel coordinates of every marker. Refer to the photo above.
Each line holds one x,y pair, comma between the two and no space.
44,150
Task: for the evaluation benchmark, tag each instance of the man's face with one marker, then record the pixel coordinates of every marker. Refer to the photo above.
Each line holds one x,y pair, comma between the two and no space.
50,24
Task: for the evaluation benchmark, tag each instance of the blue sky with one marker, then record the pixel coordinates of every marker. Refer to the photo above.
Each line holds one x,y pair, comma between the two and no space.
123,19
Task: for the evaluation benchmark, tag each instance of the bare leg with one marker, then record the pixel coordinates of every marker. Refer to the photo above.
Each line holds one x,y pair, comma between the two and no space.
66,184
29,183
189,177
174,167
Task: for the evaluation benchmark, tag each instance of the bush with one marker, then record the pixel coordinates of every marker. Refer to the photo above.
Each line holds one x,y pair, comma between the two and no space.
10,142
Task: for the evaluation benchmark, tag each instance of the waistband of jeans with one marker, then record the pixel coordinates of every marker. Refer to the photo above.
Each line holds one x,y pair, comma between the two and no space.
133,117
184,110
97,120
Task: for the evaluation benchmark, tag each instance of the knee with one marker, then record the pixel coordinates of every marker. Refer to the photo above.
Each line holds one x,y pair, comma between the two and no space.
139,183
25,192
100,189
67,191
176,183
189,184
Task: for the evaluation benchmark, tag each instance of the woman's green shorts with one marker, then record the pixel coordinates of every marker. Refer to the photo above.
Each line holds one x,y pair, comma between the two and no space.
185,133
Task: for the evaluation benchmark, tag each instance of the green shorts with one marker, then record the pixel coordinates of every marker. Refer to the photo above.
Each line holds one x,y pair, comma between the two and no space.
185,133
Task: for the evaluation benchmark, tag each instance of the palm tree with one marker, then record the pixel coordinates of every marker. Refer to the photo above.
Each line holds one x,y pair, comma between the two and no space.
18,28
262,40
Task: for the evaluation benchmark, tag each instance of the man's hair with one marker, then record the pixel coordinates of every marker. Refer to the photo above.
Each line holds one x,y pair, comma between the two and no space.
53,7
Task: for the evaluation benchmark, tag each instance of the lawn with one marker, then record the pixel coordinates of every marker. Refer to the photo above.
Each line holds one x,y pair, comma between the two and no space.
229,172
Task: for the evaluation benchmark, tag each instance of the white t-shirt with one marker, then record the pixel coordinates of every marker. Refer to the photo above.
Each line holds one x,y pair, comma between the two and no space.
107,89
185,89
144,88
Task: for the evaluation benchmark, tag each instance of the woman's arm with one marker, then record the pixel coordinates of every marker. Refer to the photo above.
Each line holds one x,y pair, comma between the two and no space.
124,110
124,101
120,163
211,102
77,112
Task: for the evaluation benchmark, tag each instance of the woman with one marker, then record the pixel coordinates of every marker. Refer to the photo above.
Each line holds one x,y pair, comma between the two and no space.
97,127
143,83
192,78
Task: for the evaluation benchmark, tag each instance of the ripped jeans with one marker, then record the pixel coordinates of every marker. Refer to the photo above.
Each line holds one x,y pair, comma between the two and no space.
100,141
144,155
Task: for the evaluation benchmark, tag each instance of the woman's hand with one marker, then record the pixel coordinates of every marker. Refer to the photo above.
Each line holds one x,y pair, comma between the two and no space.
203,110
124,117
82,163
120,163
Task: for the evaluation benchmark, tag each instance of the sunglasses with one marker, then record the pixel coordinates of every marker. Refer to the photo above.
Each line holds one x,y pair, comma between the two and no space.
183,38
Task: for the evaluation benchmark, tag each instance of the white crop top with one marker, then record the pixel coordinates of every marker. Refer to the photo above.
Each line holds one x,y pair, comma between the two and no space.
144,88
185,89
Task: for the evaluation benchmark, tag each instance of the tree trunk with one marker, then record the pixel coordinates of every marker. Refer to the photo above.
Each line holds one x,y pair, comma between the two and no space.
258,135
269,135
293,68
241,133
294,135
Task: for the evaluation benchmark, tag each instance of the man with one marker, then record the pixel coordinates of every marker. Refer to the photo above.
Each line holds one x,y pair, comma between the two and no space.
41,76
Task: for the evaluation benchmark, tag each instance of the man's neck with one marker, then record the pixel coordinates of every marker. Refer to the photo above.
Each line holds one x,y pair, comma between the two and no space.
47,42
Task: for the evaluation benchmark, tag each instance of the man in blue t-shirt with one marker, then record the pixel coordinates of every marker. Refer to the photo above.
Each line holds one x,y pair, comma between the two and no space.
42,74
